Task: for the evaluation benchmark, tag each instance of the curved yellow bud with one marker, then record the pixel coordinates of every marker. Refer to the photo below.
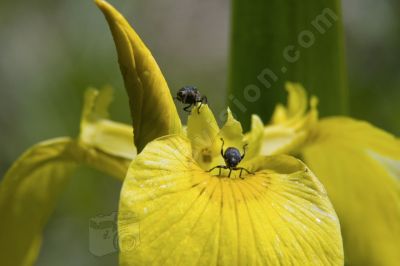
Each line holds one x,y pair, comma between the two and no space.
152,108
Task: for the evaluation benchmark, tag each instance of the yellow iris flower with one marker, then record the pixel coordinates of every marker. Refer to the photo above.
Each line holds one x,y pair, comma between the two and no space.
172,210
181,213
170,203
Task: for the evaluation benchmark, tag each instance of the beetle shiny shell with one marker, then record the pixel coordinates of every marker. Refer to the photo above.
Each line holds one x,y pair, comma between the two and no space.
232,157
188,95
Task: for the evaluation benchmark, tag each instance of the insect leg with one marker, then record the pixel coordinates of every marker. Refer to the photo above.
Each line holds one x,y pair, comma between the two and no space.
241,169
187,107
219,167
203,101
244,150
230,171
222,147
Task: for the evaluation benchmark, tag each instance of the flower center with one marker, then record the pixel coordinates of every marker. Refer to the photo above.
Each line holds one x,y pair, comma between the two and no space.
206,156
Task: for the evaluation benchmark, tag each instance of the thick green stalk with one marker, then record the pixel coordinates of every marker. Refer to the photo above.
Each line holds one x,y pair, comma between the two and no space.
274,41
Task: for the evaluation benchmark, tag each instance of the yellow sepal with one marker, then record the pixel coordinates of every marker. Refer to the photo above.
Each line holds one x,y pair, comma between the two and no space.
28,193
173,212
359,166
30,188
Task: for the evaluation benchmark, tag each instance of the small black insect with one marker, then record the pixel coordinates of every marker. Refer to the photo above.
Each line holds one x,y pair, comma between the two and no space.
232,158
190,95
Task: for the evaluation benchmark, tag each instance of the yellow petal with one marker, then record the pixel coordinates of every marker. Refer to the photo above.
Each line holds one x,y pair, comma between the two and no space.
290,125
232,132
254,138
152,108
202,130
103,144
174,213
359,165
297,104
205,137
28,193
29,190
98,132
112,165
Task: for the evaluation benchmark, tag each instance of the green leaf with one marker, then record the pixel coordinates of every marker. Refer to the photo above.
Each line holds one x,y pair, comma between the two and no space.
267,36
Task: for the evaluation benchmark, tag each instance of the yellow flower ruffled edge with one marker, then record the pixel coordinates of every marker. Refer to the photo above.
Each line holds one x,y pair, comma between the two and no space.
358,164
290,125
30,188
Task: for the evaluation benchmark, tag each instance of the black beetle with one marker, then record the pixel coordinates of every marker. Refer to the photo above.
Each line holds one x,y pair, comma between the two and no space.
190,95
232,158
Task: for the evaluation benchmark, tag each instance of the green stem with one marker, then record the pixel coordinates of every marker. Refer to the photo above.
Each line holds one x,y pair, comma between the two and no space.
274,41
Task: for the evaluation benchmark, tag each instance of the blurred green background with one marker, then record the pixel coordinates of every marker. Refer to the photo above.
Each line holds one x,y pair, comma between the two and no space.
50,51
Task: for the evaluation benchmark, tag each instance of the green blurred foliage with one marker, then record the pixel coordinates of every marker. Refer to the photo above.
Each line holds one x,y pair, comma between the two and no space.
275,41
372,32
50,51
